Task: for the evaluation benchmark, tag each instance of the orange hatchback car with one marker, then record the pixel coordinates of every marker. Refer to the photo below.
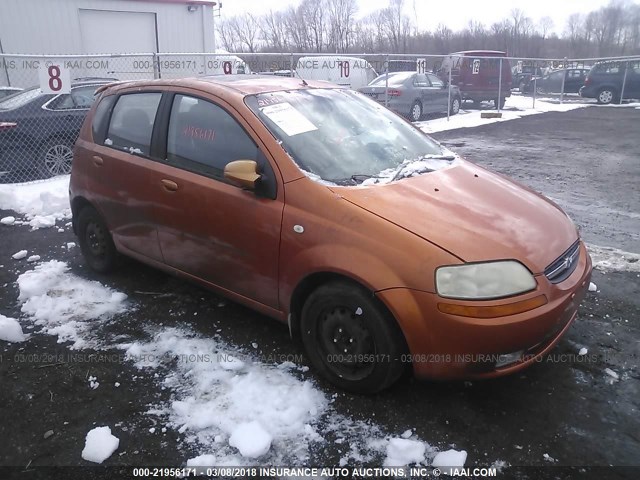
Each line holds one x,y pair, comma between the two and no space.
314,205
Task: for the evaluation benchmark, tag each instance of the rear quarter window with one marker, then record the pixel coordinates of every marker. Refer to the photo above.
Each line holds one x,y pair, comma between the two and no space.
101,119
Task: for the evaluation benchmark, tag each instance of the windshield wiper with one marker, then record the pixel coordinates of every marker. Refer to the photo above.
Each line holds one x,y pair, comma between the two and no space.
403,165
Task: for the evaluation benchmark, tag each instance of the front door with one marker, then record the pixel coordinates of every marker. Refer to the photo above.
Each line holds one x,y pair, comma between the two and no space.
207,227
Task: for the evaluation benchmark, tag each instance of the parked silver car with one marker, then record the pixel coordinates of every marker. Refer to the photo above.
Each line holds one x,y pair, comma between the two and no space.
414,94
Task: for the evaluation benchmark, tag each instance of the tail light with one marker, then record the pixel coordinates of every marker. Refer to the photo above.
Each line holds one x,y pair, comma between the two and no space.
587,81
7,126
394,93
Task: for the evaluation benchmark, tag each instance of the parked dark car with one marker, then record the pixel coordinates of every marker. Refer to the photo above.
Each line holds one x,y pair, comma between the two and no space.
552,82
521,78
605,79
478,75
413,94
37,131
6,91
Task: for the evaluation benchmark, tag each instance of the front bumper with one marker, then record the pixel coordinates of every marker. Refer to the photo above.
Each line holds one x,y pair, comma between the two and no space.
445,346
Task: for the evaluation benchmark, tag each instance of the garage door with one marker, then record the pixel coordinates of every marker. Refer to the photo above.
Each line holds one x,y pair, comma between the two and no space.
105,31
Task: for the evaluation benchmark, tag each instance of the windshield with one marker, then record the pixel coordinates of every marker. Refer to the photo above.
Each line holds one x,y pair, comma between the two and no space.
394,78
19,99
340,135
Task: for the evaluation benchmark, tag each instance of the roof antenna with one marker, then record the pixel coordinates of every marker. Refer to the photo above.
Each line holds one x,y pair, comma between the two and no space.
304,82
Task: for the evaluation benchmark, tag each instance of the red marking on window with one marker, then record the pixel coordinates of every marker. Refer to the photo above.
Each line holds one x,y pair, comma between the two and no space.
198,133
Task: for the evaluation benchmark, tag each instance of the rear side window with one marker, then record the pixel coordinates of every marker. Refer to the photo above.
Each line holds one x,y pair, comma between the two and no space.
204,137
435,81
132,120
609,67
101,119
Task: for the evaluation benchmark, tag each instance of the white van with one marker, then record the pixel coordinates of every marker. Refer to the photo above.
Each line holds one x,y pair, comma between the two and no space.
349,72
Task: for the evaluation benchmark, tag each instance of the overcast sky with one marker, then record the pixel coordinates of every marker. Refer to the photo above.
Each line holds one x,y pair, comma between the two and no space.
453,13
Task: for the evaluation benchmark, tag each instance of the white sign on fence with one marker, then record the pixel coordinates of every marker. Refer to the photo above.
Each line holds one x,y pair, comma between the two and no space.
54,78
421,65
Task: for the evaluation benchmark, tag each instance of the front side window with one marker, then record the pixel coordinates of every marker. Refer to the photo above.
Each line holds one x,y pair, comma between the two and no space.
435,81
206,137
132,120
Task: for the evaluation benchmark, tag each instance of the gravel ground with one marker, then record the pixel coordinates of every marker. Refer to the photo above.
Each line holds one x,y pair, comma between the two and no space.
566,407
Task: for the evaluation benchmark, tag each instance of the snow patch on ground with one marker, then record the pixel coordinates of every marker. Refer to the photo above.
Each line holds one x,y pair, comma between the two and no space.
517,106
10,330
449,460
42,203
66,305
99,445
251,439
401,452
611,259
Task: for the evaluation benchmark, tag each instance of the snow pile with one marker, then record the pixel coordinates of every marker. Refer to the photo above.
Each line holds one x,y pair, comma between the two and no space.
251,440
593,287
8,220
10,330
448,460
609,259
99,445
219,396
65,304
517,106
42,203
401,452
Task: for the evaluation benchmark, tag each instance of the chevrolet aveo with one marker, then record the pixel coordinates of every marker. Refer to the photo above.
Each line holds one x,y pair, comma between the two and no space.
312,204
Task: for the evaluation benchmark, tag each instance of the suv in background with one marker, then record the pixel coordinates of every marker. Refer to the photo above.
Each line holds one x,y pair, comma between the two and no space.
605,80
552,81
479,77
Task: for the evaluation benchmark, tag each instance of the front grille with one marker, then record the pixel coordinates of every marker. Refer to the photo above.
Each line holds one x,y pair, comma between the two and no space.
564,265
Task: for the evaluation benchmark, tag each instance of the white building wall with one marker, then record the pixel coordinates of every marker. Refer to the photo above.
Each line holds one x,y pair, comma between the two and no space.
53,26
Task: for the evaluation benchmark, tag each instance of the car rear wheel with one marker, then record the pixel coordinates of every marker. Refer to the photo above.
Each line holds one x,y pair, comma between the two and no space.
606,96
95,241
56,157
351,339
521,86
415,114
455,105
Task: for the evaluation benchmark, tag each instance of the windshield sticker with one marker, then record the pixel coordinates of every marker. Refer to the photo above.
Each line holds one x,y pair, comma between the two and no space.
290,120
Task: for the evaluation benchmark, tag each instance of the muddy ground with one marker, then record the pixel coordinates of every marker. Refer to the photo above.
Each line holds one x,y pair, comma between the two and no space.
565,407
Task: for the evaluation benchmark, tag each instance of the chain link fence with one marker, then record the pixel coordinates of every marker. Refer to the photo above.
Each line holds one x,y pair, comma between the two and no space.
38,130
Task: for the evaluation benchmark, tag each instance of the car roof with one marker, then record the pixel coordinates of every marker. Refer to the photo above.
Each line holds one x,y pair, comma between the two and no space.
240,84
487,53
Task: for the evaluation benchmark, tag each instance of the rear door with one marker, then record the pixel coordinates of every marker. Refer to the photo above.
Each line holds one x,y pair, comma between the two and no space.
632,84
207,227
118,167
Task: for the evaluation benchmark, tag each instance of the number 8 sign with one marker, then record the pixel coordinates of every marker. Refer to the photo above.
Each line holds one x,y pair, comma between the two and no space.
54,78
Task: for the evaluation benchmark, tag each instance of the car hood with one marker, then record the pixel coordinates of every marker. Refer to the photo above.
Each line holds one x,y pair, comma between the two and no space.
472,213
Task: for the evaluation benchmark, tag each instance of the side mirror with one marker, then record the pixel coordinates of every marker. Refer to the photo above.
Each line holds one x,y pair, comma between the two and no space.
242,173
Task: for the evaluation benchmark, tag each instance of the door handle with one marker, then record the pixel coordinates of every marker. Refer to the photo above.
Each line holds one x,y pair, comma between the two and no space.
169,185
97,161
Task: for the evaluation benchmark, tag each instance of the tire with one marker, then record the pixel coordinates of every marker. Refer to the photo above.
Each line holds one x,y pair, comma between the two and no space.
455,105
341,319
95,241
477,104
501,101
55,158
415,114
521,86
606,96
540,91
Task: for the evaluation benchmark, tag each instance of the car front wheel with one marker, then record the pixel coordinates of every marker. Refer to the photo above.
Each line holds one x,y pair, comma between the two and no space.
56,157
455,105
351,339
605,96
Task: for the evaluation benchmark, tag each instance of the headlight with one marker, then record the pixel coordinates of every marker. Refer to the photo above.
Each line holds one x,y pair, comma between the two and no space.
483,281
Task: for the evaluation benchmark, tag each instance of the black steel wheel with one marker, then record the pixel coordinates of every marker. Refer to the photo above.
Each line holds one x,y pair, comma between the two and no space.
95,241
351,339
